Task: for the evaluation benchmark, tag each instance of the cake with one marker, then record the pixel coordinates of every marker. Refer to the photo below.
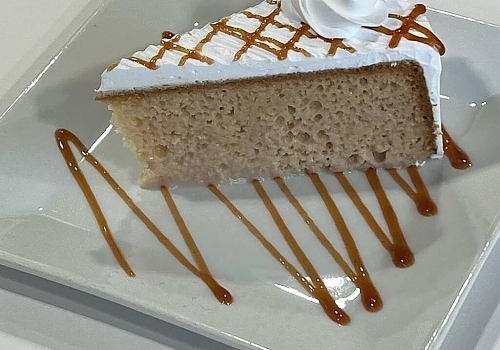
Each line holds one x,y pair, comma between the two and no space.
282,88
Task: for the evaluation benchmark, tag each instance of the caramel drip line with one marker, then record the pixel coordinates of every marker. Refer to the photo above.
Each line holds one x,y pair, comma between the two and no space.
420,196
64,138
401,253
370,296
409,23
316,287
458,157
402,256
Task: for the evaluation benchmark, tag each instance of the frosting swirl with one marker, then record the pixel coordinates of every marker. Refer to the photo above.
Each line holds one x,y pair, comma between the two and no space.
337,18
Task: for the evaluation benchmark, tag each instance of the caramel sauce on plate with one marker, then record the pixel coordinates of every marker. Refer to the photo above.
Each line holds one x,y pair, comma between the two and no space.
457,156
420,195
64,138
394,242
316,287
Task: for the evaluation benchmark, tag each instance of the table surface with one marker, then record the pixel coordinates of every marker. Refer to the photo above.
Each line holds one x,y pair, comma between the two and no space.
47,316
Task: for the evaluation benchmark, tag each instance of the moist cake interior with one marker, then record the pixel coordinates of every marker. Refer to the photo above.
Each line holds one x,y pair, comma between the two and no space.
341,119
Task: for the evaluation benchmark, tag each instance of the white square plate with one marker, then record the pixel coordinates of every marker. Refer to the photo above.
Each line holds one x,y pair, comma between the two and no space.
47,229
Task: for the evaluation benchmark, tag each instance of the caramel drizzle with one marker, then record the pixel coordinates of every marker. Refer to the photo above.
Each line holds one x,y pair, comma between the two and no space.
64,138
250,39
409,23
316,287
167,34
256,38
458,157
402,255
111,67
369,295
420,196
172,45
281,50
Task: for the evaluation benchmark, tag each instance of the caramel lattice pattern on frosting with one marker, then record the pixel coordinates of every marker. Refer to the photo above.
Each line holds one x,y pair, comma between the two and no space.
258,39
249,40
408,23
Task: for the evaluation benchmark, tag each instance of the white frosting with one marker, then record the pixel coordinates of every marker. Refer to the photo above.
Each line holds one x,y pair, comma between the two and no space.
256,62
338,18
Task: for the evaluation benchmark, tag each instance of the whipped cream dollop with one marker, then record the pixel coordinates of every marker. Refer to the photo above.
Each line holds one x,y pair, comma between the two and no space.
337,18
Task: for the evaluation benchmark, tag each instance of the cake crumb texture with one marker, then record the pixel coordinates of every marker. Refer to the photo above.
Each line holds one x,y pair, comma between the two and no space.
375,116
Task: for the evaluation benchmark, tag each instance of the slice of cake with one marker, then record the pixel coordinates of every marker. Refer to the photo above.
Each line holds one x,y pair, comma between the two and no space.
282,88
